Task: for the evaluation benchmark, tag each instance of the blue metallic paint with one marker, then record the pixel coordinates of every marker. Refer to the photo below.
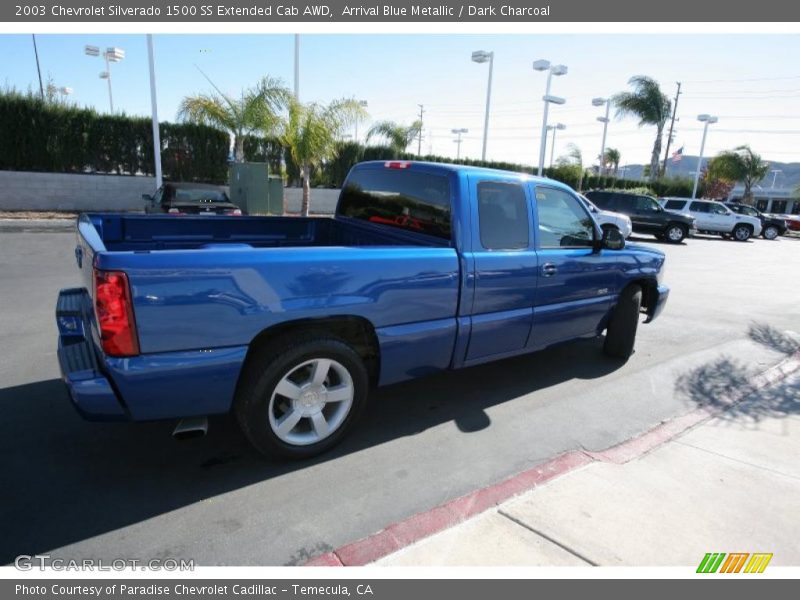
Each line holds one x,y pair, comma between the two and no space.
203,288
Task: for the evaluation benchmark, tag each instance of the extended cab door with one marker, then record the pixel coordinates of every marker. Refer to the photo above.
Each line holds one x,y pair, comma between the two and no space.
505,265
576,284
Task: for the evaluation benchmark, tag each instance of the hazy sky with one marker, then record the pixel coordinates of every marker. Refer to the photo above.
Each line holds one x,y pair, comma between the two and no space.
751,82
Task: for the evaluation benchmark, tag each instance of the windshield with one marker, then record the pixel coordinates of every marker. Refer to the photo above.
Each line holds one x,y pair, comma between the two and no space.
199,195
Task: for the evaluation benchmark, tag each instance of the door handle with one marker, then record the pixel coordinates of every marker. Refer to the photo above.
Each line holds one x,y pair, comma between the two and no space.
79,256
549,269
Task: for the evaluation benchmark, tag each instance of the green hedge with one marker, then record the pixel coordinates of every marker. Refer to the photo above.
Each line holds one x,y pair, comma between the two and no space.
38,136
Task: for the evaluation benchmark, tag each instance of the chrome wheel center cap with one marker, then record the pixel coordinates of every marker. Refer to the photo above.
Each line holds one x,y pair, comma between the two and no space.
311,400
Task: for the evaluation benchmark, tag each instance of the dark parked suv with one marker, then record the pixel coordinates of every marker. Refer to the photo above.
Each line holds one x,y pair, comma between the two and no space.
646,214
771,227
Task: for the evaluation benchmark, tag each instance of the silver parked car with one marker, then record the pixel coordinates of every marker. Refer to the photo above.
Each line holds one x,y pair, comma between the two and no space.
608,219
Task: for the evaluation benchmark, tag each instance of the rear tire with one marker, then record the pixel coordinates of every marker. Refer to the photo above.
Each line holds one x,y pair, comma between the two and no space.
770,232
742,233
301,395
621,332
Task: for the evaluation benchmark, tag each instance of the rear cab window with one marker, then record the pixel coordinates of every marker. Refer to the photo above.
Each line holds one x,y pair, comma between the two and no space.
406,199
701,207
503,216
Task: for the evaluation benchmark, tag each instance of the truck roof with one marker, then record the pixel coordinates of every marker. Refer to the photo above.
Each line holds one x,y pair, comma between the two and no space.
450,167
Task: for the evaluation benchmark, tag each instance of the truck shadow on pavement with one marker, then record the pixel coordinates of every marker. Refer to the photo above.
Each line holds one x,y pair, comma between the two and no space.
728,383
67,480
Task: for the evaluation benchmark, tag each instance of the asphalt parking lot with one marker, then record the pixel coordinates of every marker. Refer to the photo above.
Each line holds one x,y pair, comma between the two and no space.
74,489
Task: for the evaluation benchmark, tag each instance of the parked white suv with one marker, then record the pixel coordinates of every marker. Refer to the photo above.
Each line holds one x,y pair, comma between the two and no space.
607,218
715,218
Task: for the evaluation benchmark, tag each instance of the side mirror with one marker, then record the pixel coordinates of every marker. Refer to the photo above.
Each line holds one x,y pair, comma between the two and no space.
612,239
147,197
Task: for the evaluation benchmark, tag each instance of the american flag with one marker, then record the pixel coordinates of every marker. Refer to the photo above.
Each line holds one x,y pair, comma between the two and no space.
677,155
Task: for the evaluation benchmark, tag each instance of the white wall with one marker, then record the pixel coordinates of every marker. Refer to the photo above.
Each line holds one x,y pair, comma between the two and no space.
21,190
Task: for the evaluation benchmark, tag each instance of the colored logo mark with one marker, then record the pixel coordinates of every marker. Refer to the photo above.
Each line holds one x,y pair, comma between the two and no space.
734,562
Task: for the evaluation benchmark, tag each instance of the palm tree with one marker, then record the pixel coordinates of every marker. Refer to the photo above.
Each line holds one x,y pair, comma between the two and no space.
311,133
651,106
611,159
257,109
398,136
739,164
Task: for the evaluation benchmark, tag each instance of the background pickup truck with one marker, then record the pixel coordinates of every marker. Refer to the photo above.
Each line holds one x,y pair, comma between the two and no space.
289,321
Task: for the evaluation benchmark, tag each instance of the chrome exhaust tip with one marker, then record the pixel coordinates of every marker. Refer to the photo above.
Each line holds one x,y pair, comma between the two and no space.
191,427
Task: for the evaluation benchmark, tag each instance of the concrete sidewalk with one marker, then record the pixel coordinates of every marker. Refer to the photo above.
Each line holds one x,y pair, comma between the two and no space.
729,484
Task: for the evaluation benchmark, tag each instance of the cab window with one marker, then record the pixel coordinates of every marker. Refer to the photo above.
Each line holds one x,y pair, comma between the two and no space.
701,207
563,221
718,209
502,215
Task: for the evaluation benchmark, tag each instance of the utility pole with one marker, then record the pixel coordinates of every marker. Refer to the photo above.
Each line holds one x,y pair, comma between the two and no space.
671,127
38,68
419,135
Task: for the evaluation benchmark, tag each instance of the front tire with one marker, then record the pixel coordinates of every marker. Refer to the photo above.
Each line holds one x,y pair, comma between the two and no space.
621,332
301,395
770,232
742,233
675,233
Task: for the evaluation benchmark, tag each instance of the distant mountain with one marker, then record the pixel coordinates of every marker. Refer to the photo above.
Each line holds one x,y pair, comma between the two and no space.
789,178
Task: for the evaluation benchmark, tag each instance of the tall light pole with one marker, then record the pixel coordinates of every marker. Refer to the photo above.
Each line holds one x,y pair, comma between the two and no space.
154,111
481,56
111,55
775,176
38,68
604,121
707,120
554,128
544,65
458,132
297,66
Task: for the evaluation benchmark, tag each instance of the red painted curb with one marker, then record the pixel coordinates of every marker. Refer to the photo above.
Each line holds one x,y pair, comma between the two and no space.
424,524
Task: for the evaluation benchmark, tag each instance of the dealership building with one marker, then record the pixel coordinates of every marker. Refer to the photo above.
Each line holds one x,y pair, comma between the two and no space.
771,200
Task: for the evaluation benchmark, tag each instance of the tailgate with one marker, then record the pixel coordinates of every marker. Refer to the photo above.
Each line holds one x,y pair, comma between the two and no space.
89,242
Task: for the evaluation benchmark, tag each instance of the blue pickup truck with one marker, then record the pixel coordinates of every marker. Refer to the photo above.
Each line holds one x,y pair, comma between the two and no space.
290,321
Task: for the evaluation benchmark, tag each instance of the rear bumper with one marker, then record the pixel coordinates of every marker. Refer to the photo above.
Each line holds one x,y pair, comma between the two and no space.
90,391
147,387
659,304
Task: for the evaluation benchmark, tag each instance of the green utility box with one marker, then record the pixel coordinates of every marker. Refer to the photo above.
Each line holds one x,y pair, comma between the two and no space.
254,190
275,195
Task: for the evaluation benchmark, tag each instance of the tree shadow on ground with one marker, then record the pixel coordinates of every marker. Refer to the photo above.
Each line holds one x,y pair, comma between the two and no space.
728,383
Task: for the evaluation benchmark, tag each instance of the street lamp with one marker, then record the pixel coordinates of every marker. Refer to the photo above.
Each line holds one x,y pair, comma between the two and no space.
111,55
458,132
775,175
604,121
707,120
554,128
362,104
481,56
557,70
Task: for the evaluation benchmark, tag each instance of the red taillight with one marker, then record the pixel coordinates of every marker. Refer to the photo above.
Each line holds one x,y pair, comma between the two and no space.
114,310
397,164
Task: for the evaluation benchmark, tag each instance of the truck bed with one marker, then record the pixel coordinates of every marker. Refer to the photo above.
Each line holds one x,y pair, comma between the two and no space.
152,233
